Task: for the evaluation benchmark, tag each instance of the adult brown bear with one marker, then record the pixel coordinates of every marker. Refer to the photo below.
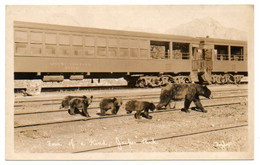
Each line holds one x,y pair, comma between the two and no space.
139,107
188,92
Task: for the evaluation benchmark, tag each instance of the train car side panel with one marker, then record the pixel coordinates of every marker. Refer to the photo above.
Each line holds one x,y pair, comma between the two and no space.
230,66
57,64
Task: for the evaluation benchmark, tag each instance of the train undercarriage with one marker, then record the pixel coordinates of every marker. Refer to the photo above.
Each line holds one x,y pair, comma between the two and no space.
134,80
162,80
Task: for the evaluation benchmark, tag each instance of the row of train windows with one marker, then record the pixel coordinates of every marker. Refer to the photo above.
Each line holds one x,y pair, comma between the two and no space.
236,53
78,40
37,49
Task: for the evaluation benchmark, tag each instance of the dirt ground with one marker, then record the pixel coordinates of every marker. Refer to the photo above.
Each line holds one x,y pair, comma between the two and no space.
160,134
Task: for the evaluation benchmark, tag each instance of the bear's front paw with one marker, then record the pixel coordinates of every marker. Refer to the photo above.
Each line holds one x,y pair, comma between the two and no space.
194,108
185,110
70,112
137,116
204,111
85,114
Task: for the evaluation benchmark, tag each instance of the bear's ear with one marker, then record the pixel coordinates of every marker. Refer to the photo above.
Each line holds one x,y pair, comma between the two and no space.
84,96
114,99
91,97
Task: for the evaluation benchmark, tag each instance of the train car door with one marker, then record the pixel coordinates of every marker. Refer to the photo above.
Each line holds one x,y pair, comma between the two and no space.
207,58
202,64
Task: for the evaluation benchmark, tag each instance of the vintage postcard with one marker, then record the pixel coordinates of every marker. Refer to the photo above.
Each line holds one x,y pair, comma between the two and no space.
130,82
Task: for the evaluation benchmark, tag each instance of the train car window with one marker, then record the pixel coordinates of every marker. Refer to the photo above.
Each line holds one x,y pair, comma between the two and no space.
78,50
144,53
222,52
134,48
50,38
160,49
50,44
36,49
90,41
180,50
64,39
20,36
89,50
77,40
101,46
112,51
112,47
65,50
144,48
50,50
237,53
36,37
21,49
134,52
101,51
123,52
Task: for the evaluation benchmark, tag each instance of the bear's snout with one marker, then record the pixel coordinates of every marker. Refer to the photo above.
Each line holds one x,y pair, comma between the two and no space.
211,97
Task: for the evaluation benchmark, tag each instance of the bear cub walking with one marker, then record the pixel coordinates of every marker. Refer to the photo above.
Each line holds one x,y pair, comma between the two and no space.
80,103
139,107
65,103
110,103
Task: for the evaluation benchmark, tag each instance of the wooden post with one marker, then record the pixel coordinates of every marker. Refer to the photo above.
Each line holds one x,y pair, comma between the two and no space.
170,50
229,53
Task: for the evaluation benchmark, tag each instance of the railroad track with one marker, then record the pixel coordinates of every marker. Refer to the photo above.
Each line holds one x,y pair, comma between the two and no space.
31,120
98,98
37,120
125,99
164,138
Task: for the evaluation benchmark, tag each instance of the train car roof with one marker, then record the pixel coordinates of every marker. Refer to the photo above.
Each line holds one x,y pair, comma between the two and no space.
221,41
44,26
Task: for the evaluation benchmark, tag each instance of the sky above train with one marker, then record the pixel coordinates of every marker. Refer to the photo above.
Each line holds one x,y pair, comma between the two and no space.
158,19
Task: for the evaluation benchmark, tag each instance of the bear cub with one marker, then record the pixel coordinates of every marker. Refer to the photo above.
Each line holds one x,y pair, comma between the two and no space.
80,103
66,100
112,104
141,108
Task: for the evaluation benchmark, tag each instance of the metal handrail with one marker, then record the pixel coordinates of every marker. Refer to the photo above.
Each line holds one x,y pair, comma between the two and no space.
235,57
222,57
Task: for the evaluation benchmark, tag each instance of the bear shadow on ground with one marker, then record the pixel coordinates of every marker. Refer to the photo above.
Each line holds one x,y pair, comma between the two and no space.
76,112
165,109
105,115
195,109
143,115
